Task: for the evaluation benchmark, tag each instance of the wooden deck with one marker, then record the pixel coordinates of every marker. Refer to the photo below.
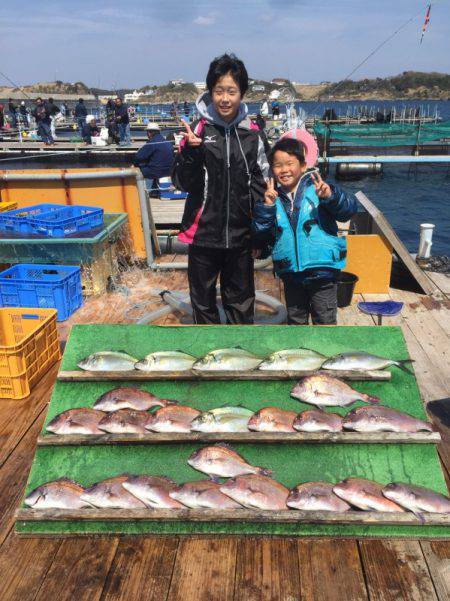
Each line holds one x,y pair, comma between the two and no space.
220,568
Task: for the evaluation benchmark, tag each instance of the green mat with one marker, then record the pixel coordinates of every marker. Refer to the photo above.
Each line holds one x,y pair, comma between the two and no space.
291,463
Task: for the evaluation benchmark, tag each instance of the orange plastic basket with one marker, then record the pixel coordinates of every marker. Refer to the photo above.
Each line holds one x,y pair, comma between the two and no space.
28,347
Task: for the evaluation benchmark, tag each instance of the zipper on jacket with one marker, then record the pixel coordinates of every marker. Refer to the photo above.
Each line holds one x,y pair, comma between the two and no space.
227,144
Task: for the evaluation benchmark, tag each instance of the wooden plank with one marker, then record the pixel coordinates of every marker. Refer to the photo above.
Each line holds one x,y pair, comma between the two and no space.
330,570
441,280
141,570
242,437
79,570
231,515
267,569
396,570
106,376
23,565
425,283
204,570
437,556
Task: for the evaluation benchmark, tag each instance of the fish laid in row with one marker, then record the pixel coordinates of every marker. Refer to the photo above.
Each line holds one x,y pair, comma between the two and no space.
361,361
221,461
326,391
250,490
129,398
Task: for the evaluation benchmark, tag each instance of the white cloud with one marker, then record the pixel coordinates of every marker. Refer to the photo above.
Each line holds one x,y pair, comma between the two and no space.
205,20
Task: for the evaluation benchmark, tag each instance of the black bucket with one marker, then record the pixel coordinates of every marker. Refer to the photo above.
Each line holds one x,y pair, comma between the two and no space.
345,287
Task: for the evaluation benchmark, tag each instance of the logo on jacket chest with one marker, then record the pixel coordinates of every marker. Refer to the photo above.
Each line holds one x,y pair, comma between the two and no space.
209,139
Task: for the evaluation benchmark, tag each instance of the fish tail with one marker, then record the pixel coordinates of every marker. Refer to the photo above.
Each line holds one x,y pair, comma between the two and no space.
264,471
402,366
373,400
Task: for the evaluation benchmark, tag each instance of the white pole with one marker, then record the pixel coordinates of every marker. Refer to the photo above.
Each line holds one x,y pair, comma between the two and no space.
425,241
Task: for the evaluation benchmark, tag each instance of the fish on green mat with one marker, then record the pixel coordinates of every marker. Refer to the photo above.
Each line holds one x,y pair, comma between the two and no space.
125,421
220,460
166,361
153,491
77,421
58,494
203,494
383,419
272,419
360,360
129,398
256,491
323,390
228,359
315,496
172,418
364,494
317,420
111,494
417,498
108,361
222,419
293,360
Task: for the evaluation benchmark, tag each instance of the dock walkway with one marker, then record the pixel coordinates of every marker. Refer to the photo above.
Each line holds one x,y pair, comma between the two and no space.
205,568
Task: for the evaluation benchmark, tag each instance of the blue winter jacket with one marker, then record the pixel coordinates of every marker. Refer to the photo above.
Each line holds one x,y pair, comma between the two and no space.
155,158
304,237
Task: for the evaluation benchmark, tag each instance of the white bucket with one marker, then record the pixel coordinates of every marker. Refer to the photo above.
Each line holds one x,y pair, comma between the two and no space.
426,240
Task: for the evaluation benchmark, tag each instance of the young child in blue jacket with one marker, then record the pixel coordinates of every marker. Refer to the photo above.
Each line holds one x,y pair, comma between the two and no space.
298,221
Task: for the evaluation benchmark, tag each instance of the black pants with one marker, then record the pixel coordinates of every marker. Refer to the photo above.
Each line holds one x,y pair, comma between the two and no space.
317,298
237,287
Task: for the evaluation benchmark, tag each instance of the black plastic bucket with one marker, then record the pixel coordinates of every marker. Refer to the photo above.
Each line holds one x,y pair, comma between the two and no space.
345,287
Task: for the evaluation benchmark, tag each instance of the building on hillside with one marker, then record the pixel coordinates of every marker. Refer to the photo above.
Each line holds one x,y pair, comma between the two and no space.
280,81
258,88
133,96
200,85
176,82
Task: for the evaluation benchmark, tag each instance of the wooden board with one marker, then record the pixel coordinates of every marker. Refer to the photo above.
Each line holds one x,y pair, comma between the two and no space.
369,256
231,515
241,437
105,376
385,227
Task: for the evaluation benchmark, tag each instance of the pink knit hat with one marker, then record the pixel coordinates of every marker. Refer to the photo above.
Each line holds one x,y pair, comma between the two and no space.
309,144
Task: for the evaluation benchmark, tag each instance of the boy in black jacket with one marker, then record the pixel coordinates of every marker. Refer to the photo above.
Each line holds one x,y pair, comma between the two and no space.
222,165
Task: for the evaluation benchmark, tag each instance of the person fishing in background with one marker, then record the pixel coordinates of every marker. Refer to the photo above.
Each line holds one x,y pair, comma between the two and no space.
297,220
43,122
154,159
222,165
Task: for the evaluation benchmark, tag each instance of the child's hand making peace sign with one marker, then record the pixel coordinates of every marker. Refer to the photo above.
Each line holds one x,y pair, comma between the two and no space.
190,138
323,190
271,194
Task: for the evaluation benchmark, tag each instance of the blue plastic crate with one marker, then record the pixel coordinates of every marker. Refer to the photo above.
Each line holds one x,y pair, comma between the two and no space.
42,286
51,220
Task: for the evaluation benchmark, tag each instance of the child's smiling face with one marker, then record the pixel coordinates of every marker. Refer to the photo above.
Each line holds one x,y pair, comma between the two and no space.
287,170
226,97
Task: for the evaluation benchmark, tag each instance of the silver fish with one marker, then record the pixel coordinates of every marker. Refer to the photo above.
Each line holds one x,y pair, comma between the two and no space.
59,494
256,492
326,391
129,398
223,419
229,359
293,360
417,498
220,460
316,420
125,421
166,361
383,419
108,361
154,491
316,496
363,361
111,494
173,418
203,494
364,494
76,421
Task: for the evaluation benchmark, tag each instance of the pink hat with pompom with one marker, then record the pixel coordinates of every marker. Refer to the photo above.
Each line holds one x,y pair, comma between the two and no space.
309,144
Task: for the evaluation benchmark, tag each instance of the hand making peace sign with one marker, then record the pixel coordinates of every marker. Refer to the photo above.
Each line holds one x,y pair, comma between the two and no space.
271,194
190,138
323,190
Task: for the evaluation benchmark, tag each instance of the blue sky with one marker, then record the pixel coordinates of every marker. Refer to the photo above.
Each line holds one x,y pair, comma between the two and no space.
133,43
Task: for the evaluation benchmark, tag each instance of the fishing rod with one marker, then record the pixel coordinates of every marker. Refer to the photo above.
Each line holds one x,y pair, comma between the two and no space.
15,85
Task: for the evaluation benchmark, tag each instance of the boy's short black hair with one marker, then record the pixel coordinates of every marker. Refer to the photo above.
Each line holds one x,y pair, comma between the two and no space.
290,146
222,65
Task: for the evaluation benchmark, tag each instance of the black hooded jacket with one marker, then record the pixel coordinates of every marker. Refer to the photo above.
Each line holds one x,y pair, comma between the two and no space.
224,177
